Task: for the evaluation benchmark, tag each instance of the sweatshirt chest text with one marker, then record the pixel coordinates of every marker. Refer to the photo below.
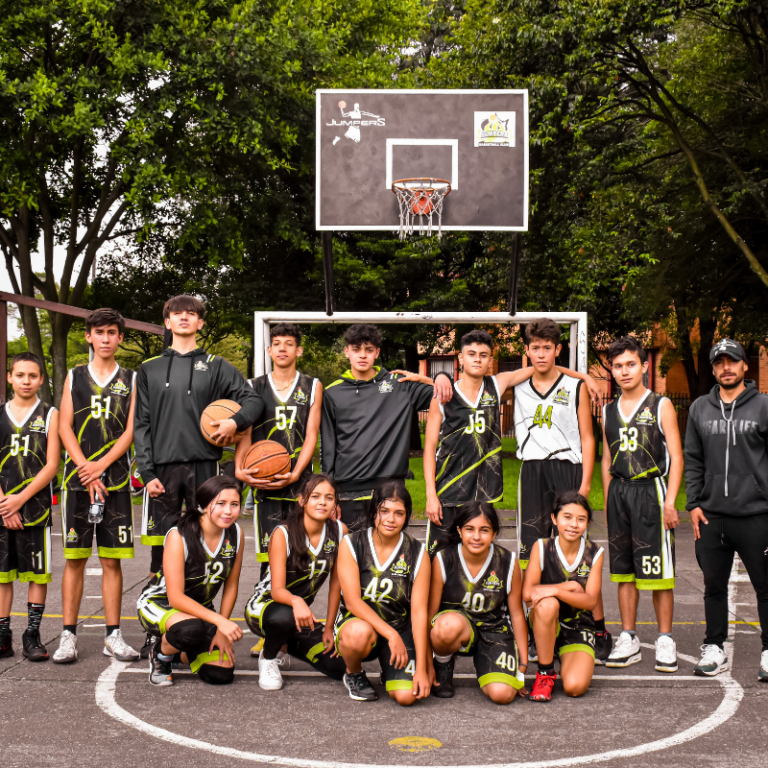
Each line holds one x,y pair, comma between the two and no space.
720,426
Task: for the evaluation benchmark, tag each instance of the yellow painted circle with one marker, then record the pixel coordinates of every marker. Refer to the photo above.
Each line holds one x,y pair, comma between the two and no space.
415,744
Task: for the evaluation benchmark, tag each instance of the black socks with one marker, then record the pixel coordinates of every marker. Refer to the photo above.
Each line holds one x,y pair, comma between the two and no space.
600,625
71,628
35,613
546,669
111,628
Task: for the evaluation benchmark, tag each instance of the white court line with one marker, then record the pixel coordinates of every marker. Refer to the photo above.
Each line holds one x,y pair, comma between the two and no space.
733,693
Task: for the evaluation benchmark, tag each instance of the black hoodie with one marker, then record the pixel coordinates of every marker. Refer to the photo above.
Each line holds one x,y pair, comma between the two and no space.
172,391
365,431
726,453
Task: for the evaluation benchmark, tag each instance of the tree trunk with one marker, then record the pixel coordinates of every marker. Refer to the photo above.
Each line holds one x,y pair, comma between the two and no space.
60,325
707,328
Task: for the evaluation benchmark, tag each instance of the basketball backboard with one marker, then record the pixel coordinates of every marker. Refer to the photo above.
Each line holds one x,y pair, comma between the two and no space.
476,140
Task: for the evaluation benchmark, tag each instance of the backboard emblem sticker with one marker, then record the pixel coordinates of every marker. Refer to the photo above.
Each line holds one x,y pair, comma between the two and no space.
494,129
353,119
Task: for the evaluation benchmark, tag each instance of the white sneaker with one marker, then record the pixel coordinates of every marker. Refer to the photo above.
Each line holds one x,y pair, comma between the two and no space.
625,652
666,654
114,645
713,661
762,675
66,653
270,678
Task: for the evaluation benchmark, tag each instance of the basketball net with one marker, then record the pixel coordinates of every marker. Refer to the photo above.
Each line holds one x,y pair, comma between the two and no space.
420,197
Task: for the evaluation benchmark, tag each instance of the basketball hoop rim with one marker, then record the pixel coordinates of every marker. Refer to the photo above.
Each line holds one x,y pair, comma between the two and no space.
402,185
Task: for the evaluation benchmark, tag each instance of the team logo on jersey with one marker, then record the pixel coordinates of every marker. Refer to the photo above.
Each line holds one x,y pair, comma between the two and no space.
265,542
200,366
299,397
228,550
583,570
562,397
400,568
385,386
38,425
329,545
118,388
487,399
493,582
646,417
71,536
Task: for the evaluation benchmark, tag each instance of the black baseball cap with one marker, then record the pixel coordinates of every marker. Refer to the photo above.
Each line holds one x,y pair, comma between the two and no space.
728,347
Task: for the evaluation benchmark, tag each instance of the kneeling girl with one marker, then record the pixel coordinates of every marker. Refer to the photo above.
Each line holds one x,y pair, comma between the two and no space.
202,555
476,604
563,582
302,556
384,577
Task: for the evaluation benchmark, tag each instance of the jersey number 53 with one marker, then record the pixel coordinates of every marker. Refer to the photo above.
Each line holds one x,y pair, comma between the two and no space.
628,437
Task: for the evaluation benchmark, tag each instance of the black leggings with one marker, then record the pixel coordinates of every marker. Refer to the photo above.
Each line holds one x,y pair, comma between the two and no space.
193,637
278,626
726,534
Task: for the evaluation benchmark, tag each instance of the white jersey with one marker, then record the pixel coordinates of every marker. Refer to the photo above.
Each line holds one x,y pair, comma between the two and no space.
547,425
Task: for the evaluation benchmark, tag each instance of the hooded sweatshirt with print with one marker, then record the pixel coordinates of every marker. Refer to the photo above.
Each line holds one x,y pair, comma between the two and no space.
726,453
172,390
365,431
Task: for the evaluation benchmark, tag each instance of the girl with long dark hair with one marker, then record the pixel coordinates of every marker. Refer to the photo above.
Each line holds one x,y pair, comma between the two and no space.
302,556
475,602
203,554
384,578
562,584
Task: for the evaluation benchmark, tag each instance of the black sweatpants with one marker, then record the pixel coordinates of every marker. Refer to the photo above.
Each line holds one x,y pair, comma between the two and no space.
748,537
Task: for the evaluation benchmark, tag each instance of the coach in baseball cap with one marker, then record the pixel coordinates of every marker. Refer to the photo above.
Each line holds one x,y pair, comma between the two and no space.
726,475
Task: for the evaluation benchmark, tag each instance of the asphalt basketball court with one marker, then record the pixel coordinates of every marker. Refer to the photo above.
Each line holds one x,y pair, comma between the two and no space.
100,712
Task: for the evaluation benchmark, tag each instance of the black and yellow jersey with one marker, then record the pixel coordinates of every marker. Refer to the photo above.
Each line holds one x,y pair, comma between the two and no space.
386,587
469,449
101,412
202,581
636,442
555,569
284,420
482,598
305,582
23,455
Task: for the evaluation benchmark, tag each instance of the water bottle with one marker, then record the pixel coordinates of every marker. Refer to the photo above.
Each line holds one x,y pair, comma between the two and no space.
96,510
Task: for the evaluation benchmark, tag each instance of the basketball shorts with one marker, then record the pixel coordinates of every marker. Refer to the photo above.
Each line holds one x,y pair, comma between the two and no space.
25,555
396,679
438,535
181,482
154,613
306,645
569,638
354,508
640,549
494,655
267,515
538,485
114,534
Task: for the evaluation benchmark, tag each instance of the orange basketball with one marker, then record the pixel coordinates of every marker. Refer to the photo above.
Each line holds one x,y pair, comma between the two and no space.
269,457
218,411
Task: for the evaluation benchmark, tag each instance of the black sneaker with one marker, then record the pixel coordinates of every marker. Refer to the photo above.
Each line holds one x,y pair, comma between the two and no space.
533,655
359,687
147,647
444,679
160,673
32,647
603,645
6,644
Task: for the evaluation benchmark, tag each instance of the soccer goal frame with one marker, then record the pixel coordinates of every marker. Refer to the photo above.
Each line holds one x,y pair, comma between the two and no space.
577,322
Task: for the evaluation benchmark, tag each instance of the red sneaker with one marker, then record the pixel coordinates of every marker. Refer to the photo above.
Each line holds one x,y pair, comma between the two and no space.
542,687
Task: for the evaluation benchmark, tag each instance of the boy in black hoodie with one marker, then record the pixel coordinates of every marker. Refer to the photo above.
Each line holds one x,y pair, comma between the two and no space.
366,423
172,391
726,457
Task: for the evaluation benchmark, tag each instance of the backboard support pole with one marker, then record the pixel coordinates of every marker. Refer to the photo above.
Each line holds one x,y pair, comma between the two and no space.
330,304
514,273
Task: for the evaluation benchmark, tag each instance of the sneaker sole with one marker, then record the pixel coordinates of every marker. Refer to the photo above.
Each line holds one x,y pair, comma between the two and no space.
762,678
620,663
599,662
109,653
39,658
63,661
164,684
666,668
270,687
7,653
358,698
537,698
703,673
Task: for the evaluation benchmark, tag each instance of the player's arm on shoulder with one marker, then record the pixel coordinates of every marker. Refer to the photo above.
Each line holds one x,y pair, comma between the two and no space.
431,437
594,390
587,437
231,585
675,448
510,379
